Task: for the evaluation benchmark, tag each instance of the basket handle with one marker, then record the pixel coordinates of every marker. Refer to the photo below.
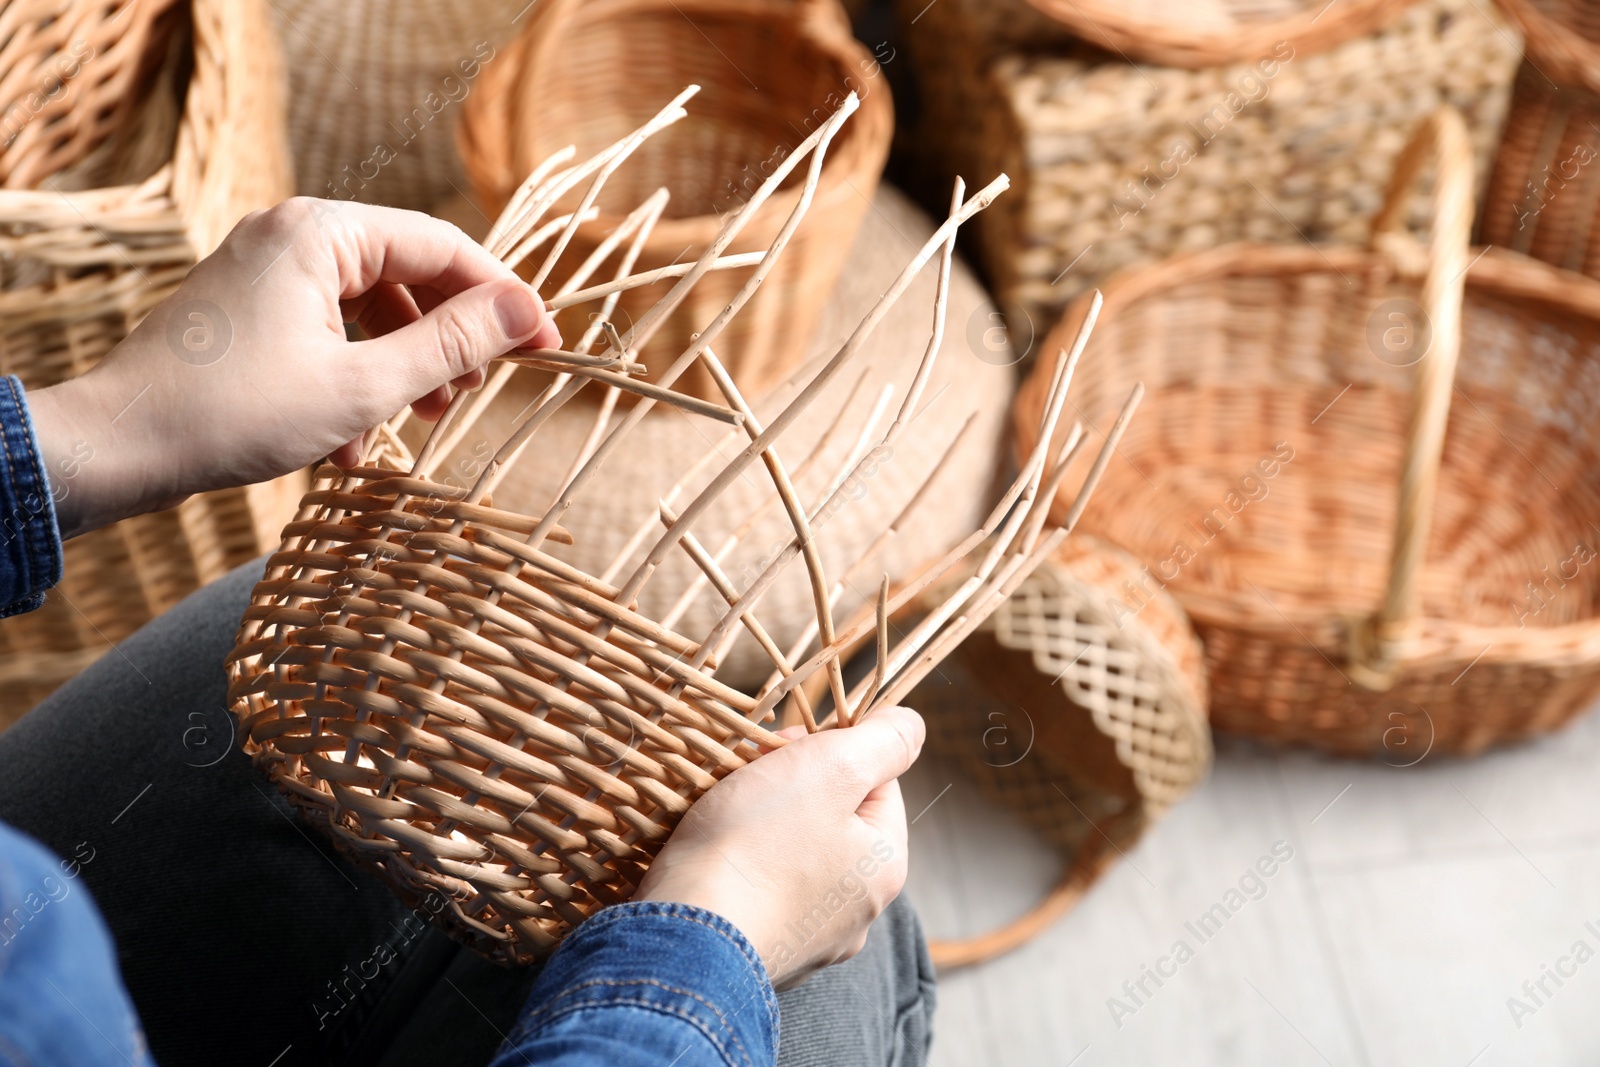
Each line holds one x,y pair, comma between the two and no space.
1376,642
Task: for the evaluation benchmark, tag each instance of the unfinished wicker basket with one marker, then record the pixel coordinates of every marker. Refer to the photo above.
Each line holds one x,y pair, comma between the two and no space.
1089,721
624,54
470,714
1292,388
962,391
1119,165
1543,192
156,127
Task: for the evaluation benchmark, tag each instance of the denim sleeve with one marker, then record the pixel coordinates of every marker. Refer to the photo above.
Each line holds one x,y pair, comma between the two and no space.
30,556
645,985
61,996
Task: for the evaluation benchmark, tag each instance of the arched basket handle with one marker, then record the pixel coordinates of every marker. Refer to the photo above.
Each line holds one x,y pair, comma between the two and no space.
1377,642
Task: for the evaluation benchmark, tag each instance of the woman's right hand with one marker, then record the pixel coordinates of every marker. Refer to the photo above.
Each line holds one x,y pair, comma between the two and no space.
801,849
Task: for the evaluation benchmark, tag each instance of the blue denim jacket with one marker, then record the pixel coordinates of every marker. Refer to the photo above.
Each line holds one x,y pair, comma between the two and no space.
639,984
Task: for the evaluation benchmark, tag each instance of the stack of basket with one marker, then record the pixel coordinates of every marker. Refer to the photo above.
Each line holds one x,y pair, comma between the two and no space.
1136,131
137,134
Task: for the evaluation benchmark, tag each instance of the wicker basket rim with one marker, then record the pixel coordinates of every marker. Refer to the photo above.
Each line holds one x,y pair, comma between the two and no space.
1555,50
1312,29
1495,271
865,147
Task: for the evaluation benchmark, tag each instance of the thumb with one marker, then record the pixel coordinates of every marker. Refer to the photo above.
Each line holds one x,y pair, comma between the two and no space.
858,759
455,338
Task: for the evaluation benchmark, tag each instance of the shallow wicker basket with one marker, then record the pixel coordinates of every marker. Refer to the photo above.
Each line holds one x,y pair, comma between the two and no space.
1290,394
1119,165
584,73
433,682
167,126
1545,186
1085,719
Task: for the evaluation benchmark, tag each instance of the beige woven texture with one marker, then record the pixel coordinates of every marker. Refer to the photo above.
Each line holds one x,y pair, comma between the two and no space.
134,174
378,89
1259,486
1300,153
770,71
665,445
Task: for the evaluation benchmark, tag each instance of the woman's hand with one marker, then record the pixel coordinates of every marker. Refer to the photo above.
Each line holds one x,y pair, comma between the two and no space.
245,372
802,848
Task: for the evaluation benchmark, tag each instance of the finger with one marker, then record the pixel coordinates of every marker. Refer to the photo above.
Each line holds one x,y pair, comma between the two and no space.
454,339
383,309
429,408
856,760
375,244
884,809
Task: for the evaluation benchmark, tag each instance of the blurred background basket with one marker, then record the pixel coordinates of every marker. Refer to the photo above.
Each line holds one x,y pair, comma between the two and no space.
377,92
1543,194
1080,718
1118,164
626,54
1289,390
166,127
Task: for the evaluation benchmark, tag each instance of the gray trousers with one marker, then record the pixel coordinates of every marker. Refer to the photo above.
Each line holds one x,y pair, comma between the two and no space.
244,938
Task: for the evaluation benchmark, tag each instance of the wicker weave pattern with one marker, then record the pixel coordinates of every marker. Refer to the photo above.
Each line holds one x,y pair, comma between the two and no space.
1142,684
370,73
1264,359
80,269
792,64
1103,184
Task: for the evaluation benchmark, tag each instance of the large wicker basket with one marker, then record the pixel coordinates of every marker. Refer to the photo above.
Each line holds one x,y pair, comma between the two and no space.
1542,195
625,54
1259,488
168,128
1119,165
1084,720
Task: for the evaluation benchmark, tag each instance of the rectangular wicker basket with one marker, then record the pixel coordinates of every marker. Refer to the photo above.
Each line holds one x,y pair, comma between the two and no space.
141,131
1120,164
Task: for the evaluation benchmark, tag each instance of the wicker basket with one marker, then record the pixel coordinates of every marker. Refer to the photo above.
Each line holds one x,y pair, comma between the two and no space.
431,680
1119,165
1211,33
1259,488
168,132
1542,195
625,54
378,89
1085,720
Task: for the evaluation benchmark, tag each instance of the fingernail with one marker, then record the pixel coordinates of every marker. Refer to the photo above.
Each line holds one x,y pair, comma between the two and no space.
518,312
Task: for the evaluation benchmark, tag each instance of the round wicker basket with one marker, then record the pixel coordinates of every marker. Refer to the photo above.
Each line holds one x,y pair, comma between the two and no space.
628,53
1543,190
137,133
1102,724
1259,486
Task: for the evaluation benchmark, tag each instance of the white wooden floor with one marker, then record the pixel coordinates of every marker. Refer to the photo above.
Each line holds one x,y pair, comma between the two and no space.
1416,903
